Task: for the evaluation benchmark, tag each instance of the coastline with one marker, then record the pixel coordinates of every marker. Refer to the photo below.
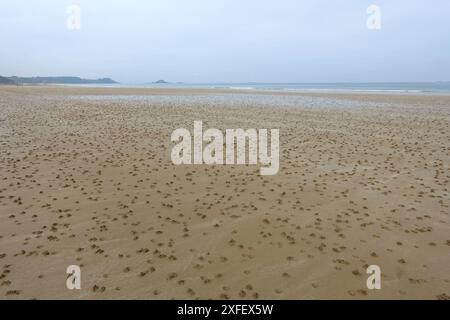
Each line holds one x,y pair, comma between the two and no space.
319,89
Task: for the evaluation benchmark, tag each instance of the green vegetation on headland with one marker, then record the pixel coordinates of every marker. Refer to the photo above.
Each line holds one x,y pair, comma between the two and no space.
4,80
53,80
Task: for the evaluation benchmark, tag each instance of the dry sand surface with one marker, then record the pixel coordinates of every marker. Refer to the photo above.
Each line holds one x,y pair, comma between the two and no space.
86,179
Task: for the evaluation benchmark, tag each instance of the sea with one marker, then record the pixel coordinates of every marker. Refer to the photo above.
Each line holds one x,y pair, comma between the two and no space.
369,87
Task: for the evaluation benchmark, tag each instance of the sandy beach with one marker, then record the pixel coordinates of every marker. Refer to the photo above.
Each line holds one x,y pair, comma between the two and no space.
86,179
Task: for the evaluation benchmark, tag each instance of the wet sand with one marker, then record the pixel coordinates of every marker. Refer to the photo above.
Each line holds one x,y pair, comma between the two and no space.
86,179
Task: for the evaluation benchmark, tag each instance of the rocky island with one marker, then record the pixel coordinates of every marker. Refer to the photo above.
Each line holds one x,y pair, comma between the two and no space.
160,82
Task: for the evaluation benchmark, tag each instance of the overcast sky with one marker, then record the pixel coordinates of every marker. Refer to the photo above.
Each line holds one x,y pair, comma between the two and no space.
135,41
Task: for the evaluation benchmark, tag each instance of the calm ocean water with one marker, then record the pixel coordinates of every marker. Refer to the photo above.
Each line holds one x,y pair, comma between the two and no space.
388,87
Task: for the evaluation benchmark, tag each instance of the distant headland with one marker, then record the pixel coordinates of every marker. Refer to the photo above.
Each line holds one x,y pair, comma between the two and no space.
5,80
53,80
